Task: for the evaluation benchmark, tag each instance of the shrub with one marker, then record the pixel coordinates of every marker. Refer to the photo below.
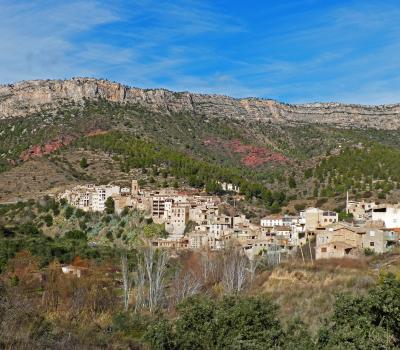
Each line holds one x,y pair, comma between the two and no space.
109,205
369,252
69,211
246,322
75,234
110,236
48,219
365,322
300,206
84,163
79,213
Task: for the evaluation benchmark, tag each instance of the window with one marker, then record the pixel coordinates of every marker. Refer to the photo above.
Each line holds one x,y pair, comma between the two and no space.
371,244
323,250
372,233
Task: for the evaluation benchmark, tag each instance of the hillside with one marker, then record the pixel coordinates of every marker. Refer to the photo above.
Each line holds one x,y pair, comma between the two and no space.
273,144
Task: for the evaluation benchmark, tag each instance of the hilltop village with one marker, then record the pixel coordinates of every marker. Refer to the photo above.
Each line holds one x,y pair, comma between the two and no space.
193,220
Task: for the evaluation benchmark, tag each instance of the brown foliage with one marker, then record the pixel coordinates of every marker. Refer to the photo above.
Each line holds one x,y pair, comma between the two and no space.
50,309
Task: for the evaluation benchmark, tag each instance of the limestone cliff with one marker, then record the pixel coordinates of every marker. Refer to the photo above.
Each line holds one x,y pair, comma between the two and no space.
20,99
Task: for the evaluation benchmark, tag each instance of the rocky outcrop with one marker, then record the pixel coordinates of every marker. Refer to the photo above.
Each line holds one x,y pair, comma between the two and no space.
20,99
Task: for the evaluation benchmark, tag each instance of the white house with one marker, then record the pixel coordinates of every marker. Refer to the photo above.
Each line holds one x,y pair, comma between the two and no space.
390,215
271,221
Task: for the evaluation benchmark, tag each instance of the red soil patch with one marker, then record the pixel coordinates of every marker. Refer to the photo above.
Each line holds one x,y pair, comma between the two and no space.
54,145
238,147
41,150
252,156
259,156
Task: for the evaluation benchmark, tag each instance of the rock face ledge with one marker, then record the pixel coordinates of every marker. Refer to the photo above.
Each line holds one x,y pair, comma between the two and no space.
21,99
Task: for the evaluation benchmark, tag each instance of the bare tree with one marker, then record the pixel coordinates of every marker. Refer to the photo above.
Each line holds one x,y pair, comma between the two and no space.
211,267
205,265
140,282
152,266
241,269
234,275
156,293
126,279
185,285
253,265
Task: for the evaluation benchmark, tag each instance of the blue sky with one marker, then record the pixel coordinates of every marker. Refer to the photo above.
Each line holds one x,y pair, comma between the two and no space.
293,51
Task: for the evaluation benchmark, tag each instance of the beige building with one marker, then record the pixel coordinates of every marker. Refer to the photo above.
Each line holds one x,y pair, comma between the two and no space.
177,218
380,240
343,240
198,240
203,214
172,243
359,210
315,218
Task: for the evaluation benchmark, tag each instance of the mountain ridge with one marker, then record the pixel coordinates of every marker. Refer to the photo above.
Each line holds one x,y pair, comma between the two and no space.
26,97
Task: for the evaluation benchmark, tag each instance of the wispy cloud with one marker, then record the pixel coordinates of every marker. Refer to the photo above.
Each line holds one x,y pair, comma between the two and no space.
293,51
38,37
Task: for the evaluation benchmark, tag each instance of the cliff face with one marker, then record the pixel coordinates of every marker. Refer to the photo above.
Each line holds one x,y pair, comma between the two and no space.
20,99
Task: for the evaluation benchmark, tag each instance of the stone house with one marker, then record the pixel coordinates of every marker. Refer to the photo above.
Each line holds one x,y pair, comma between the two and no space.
177,218
380,240
198,240
359,210
339,241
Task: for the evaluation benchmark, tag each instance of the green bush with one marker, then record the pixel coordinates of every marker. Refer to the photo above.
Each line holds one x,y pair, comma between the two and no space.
75,234
246,323
109,205
84,163
48,219
365,322
299,207
79,213
69,211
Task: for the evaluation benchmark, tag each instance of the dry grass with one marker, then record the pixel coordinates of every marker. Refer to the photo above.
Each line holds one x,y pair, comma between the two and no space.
309,291
48,175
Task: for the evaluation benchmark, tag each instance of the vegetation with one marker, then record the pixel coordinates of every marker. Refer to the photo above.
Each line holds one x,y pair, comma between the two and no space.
84,163
49,230
145,297
358,322
359,169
